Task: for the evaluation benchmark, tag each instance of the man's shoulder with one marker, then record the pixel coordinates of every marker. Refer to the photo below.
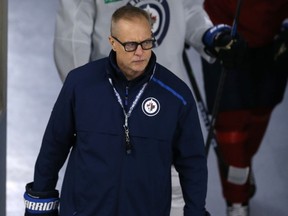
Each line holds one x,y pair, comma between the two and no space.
93,65
170,77
93,68
167,79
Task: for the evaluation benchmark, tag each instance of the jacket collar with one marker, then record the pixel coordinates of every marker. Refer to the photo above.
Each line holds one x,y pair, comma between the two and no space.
116,74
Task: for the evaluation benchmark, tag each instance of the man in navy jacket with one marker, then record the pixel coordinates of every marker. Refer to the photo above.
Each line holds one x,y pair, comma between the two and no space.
123,120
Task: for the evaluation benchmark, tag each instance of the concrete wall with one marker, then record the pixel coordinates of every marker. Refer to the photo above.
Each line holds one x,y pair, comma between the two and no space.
3,103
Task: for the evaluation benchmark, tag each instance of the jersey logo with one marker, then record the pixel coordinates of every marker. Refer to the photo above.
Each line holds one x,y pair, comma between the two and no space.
160,16
150,106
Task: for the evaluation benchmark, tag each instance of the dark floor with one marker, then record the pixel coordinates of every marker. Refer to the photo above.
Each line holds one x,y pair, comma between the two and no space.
33,85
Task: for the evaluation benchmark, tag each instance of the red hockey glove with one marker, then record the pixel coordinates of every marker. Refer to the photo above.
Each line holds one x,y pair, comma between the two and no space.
220,44
40,203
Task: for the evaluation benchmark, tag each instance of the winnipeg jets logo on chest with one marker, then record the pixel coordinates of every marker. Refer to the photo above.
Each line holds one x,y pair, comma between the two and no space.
160,15
151,106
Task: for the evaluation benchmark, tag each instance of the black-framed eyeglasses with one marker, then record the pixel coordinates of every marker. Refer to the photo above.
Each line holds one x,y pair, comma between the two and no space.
132,45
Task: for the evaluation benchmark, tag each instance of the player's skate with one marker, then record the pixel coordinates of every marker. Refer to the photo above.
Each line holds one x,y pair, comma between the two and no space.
237,209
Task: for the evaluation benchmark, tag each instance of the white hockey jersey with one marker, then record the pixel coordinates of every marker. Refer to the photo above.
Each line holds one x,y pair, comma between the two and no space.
83,27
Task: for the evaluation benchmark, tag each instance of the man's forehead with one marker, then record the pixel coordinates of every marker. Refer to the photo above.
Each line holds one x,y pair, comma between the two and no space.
133,27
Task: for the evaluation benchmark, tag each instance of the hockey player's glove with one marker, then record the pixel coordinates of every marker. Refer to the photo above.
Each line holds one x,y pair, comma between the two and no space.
220,44
40,203
281,43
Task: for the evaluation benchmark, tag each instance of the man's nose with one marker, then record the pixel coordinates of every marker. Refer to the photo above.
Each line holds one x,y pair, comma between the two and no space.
139,50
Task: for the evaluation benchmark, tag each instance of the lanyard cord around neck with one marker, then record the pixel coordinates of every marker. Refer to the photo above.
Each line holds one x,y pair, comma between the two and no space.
128,114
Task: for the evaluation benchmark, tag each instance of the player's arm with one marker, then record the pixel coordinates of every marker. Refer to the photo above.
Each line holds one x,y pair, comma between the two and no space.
197,23
72,41
210,41
41,196
190,159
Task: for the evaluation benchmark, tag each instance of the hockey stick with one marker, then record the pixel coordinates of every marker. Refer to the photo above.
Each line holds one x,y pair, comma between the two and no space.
202,107
221,83
215,110
195,88
236,19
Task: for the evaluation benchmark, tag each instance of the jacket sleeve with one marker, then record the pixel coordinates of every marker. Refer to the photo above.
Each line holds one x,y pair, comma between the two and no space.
190,161
73,32
57,141
197,22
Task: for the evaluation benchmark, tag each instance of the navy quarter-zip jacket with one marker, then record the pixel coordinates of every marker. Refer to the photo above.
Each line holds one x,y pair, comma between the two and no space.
101,178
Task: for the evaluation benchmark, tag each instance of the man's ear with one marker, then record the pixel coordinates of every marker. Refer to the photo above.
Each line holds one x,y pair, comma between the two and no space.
112,43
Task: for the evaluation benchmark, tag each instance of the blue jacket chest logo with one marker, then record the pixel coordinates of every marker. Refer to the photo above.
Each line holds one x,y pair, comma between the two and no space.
150,106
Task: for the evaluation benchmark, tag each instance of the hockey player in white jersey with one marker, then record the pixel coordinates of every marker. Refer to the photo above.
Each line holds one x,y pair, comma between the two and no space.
82,29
